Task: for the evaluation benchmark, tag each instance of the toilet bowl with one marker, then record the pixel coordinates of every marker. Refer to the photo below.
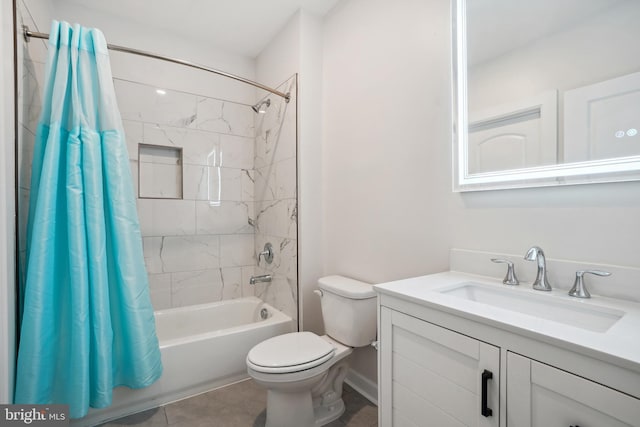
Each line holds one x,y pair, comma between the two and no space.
303,372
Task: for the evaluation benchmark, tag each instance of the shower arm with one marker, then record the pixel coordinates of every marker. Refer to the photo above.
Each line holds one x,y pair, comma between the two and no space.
28,34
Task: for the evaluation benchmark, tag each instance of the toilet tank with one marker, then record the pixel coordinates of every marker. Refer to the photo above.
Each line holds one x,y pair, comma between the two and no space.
348,310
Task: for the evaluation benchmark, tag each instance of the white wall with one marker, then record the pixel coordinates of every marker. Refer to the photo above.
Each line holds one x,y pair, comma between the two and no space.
386,143
311,227
280,59
389,209
7,213
386,138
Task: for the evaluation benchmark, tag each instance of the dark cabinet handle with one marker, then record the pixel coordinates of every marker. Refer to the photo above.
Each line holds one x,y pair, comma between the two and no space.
485,410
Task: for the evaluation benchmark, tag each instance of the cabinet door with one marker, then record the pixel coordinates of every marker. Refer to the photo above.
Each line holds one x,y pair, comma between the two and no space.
433,377
541,396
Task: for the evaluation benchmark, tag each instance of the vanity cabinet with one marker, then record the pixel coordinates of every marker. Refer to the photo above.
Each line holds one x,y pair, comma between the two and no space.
436,376
539,395
437,369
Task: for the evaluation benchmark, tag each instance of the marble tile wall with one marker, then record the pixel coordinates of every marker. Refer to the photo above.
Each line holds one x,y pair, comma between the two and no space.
275,198
239,186
199,248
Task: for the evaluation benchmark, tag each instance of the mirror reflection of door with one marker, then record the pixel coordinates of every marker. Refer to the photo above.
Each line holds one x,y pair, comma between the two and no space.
602,120
514,136
513,147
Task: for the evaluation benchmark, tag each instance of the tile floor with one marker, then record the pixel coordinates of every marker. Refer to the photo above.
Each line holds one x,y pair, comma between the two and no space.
239,405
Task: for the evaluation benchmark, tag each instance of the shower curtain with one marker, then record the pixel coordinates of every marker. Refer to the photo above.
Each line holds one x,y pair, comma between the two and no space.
87,322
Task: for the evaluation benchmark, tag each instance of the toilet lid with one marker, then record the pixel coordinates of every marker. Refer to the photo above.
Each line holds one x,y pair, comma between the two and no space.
292,352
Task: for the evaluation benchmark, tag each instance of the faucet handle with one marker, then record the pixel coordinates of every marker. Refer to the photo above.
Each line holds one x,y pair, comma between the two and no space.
579,290
510,278
267,253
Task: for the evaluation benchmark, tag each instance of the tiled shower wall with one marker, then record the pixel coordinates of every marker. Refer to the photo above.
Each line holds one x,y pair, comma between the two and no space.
198,248
276,208
238,187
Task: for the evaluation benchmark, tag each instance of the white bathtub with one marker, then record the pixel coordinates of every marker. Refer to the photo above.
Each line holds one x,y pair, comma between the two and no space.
203,347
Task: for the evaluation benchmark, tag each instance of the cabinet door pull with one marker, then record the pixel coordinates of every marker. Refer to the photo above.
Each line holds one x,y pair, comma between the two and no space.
485,410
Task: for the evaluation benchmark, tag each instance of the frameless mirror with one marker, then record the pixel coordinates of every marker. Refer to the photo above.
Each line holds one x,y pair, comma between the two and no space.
546,92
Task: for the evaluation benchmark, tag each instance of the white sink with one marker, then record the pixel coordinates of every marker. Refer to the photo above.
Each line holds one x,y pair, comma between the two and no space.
574,313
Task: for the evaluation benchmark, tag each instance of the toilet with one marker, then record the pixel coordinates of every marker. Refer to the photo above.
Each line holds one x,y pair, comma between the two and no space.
303,372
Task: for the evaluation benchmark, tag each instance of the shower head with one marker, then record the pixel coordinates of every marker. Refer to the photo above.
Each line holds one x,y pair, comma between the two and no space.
258,108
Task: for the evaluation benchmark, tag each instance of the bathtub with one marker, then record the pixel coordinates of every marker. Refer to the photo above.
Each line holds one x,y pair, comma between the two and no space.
203,347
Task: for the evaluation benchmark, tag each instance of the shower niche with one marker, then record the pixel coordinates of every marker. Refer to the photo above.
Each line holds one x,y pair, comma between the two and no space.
159,172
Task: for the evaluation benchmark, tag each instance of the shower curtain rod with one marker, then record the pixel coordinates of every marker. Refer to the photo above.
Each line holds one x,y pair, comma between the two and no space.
287,96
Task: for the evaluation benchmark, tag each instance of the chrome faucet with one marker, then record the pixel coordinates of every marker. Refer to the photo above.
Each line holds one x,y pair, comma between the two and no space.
259,279
541,283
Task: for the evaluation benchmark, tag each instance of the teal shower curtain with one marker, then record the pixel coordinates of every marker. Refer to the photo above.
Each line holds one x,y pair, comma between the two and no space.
87,322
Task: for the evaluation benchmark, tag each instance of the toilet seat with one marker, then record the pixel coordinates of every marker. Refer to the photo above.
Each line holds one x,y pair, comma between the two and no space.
293,352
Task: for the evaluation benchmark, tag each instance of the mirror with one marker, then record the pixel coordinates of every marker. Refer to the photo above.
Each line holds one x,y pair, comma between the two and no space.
546,92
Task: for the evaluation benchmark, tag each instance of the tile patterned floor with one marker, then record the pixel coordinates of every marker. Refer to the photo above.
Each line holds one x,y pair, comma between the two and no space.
238,405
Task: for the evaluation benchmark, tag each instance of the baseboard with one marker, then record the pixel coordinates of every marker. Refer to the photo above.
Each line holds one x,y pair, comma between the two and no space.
363,385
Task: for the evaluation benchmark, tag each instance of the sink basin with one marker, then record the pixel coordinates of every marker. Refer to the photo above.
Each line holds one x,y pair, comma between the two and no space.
573,313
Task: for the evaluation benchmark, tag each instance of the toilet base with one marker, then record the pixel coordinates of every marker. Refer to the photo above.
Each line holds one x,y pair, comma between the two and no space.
327,395
289,409
325,414
305,406
310,402
297,410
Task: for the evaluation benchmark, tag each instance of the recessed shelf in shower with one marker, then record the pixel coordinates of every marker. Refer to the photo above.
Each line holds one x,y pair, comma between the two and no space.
159,172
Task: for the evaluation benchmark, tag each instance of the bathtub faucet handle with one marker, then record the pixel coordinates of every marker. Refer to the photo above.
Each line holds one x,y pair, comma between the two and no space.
267,253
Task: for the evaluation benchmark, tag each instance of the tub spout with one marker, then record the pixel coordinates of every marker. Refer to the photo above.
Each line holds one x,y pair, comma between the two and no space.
260,279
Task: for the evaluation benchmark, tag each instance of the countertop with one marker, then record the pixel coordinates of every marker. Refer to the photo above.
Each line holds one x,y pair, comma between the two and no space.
620,344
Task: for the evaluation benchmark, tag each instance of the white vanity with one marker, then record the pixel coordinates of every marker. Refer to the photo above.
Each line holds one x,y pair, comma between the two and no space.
457,349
